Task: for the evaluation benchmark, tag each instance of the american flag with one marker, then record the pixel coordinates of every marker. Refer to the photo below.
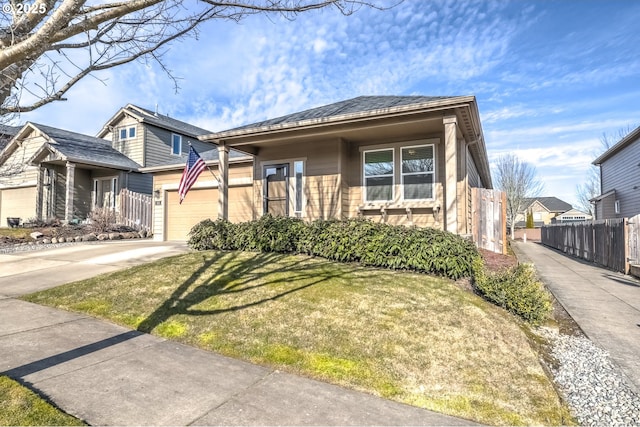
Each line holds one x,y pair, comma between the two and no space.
194,167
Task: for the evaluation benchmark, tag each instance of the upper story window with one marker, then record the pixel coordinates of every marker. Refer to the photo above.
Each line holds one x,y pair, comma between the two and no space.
127,132
417,172
378,175
176,144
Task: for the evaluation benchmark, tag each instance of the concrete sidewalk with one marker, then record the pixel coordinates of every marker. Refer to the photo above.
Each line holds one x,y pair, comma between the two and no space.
605,304
109,375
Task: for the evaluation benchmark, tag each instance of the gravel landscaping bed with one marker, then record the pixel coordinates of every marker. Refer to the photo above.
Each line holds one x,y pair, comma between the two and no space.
592,385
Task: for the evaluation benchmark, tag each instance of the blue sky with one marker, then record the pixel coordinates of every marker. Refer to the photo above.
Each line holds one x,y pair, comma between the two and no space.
550,77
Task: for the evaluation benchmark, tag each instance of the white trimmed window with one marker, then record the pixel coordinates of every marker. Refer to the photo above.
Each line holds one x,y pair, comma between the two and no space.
616,206
417,172
298,170
127,132
176,144
378,175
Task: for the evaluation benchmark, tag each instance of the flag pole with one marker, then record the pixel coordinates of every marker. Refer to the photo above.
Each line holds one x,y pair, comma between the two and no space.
207,166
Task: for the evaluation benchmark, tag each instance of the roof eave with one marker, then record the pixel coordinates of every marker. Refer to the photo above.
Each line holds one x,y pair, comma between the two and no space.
175,166
341,119
624,142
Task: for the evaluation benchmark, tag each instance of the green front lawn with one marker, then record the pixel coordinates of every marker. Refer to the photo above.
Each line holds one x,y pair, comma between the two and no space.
404,336
20,406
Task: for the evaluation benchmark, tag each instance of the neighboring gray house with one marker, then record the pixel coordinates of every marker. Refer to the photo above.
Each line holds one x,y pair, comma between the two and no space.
149,138
619,179
53,173
6,133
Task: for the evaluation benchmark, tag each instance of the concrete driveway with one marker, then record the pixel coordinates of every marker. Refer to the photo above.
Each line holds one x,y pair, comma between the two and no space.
26,272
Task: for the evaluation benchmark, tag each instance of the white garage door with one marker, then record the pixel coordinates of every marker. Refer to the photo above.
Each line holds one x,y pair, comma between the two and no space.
17,203
199,204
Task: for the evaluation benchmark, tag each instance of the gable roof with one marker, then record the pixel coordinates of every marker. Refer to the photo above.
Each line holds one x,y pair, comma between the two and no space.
159,120
6,133
631,137
552,204
79,148
349,107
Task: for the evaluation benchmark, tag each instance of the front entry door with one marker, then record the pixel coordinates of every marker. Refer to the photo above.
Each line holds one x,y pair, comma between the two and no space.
276,190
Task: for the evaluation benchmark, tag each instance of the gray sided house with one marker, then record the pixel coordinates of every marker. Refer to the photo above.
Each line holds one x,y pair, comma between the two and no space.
619,179
149,138
52,173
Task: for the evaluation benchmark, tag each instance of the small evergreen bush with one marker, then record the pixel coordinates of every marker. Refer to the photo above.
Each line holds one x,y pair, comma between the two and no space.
516,289
209,234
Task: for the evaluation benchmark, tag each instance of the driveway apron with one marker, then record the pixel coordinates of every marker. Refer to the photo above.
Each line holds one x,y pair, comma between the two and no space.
605,304
109,375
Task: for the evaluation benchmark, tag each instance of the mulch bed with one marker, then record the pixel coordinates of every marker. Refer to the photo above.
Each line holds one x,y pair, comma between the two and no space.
496,262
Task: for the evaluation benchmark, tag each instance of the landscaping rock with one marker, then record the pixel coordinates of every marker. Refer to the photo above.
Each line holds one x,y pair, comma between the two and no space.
103,236
36,235
91,237
78,239
115,236
46,241
142,234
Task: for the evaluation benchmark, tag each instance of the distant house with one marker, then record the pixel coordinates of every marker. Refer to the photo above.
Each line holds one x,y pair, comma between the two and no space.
619,179
574,215
47,172
397,159
544,210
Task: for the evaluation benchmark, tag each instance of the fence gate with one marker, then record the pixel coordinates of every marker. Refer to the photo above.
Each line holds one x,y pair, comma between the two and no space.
135,210
488,219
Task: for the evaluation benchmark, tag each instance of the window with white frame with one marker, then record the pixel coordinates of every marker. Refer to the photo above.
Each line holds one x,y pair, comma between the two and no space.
616,206
127,132
176,144
298,170
378,175
417,172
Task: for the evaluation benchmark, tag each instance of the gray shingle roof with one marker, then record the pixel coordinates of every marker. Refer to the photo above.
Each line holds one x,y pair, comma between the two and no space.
360,104
81,148
166,122
553,204
6,133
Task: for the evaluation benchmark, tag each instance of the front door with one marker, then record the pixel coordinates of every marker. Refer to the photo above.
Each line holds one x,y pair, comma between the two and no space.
276,190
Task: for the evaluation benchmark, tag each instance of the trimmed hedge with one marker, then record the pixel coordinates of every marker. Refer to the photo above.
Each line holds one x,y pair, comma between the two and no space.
353,240
516,289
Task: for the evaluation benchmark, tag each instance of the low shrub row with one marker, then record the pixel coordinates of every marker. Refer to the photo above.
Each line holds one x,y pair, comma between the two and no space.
354,240
516,289
381,245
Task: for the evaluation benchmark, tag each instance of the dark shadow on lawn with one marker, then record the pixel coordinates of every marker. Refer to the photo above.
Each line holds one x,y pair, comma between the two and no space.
232,276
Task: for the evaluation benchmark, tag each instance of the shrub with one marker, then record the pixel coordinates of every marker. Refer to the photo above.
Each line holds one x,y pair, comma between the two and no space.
101,219
208,234
516,289
353,240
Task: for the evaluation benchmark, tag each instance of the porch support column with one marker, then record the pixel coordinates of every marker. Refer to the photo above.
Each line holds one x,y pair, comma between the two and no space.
70,193
39,194
451,173
223,185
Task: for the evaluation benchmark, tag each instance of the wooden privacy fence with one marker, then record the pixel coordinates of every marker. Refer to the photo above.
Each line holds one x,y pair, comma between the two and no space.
135,210
611,243
488,219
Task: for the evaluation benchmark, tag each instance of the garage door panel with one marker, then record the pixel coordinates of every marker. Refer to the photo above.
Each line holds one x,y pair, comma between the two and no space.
17,202
200,204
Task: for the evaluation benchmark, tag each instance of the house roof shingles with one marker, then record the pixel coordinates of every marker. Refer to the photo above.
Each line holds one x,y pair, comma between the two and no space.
86,149
166,122
553,204
360,104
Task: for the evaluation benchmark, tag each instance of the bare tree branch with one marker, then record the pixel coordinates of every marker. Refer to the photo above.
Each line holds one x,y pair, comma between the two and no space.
41,40
519,181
